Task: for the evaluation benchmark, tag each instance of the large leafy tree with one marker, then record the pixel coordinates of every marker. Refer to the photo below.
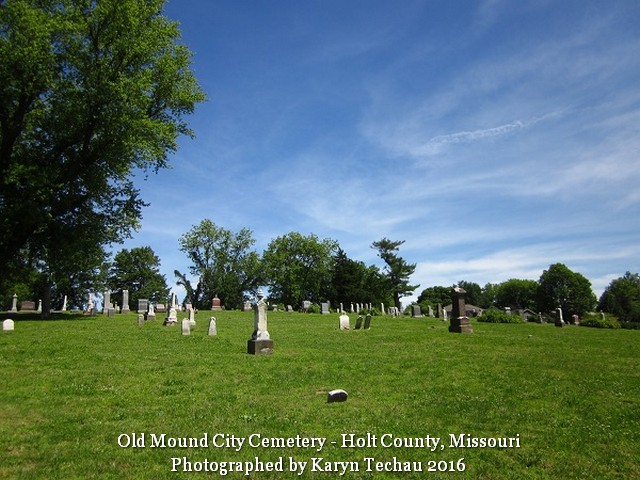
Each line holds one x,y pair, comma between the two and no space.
91,90
223,262
622,298
561,287
473,292
353,281
435,295
299,268
138,270
397,270
517,294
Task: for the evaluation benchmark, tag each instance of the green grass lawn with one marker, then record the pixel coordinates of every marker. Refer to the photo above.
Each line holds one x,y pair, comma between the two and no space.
72,388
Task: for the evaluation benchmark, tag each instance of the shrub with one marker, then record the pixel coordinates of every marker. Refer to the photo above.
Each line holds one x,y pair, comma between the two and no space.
493,315
596,321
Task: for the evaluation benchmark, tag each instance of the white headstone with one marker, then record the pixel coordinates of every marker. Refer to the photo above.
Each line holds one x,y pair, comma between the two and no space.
64,304
107,302
151,314
8,325
186,327
260,331
172,319
140,319
125,301
39,306
213,330
14,303
344,322
192,317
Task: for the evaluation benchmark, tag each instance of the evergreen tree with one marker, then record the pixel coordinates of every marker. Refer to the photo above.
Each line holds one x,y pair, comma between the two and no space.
397,271
138,270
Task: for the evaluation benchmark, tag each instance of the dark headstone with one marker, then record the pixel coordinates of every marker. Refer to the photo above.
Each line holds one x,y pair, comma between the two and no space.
415,311
358,322
367,322
459,321
260,347
143,305
337,396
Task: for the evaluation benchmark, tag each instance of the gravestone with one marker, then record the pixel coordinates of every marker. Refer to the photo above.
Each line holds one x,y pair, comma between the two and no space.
111,312
416,311
260,342
14,303
306,305
192,318
358,322
430,311
352,309
107,303
172,319
125,301
575,320
161,308
289,309
213,329
344,322
64,304
507,310
91,306
459,320
143,305
151,314
337,395
215,304
559,321
140,319
440,310
367,322
247,306
39,309
8,325
186,327
324,308
28,306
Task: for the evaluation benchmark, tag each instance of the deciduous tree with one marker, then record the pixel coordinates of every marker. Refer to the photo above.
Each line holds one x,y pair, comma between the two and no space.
299,268
622,298
561,287
224,263
91,91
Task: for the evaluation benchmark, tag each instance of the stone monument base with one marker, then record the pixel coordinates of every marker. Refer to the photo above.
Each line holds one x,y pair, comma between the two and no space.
260,347
460,325
560,323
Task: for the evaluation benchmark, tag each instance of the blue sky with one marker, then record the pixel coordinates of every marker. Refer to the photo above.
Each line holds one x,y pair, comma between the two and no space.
495,137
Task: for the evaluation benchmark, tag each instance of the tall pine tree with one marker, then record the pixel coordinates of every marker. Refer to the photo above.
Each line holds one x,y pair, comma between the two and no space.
397,270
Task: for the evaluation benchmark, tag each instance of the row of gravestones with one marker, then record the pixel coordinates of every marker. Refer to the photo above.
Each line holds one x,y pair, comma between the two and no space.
344,322
25,305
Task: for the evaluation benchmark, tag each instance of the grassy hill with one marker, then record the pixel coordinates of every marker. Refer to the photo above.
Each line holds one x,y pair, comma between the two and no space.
77,395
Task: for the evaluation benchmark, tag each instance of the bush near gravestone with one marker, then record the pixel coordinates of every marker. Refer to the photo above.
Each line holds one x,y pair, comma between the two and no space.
314,308
594,320
494,315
